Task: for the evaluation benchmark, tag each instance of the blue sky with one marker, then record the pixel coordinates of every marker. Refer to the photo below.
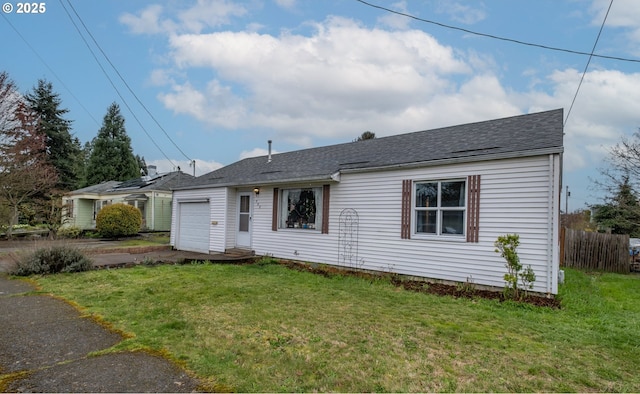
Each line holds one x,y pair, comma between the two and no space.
222,77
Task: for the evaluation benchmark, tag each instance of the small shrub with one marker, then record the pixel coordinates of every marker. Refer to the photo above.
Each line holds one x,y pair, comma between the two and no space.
506,245
91,234
267,260
467,287
69,232
118,220
53,260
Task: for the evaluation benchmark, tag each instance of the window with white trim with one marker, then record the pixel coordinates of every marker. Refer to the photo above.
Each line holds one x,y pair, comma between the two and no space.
69,205
440,208
301,208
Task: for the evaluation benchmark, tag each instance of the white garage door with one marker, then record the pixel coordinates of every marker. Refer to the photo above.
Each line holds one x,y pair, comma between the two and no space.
193,227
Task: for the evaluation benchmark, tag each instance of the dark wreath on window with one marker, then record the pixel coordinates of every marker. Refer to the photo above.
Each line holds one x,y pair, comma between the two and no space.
302,209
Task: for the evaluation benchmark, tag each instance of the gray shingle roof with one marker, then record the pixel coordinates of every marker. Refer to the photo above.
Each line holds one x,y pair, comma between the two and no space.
161,182
99,188
164,182
521,135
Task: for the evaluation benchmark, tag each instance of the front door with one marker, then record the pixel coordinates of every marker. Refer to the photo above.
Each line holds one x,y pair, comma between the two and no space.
243,235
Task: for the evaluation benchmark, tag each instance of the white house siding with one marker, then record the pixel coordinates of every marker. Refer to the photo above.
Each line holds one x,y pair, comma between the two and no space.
514,198
217,202
232,207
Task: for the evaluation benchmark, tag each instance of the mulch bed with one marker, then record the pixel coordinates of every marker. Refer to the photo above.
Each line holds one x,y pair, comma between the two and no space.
441,289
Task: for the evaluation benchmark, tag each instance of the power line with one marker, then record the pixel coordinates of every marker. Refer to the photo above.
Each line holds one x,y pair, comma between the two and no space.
123,80
112,84
588,61
48,67
519,42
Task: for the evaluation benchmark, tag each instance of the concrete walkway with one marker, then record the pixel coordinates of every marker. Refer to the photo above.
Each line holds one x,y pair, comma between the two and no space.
108,254
127,257
44,347
45,343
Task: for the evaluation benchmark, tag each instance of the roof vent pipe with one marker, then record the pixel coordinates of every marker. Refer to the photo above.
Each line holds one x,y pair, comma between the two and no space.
269,158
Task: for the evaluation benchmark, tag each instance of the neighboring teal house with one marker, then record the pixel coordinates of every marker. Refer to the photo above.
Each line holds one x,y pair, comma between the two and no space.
151,194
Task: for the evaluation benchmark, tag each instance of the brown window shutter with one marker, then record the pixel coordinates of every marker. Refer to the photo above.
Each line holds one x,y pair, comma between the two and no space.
473,208
274,215
325,209
405,215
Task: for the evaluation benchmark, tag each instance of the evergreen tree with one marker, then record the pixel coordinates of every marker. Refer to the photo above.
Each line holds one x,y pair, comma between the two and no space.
62,150
142,164
367,135
85,154
112,157
621,213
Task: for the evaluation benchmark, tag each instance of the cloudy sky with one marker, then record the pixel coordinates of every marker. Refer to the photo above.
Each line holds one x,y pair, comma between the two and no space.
213,80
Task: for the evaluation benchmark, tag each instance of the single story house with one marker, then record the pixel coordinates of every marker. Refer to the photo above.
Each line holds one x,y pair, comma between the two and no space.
151,194
427,204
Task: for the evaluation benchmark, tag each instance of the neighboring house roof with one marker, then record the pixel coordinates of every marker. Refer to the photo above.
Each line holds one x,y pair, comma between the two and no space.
163,182
517,136
158,182
99,188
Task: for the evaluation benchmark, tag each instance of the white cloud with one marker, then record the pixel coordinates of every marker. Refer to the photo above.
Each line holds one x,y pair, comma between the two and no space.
287,4
462,13
215,105
345,78
256,152
204,14
147,21
342,79
396,21
210,13
255,27
160,77
624,14
605,108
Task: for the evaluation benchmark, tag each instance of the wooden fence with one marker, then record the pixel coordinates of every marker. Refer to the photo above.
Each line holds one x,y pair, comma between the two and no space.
595,251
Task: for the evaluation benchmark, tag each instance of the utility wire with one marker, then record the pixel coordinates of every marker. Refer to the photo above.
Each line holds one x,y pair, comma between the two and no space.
498,37
587,65
112,84
48,67
124,81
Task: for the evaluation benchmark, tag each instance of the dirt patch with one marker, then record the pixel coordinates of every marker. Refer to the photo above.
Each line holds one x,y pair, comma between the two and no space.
441,289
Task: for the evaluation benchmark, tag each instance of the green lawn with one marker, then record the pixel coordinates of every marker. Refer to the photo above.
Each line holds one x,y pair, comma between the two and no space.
267,328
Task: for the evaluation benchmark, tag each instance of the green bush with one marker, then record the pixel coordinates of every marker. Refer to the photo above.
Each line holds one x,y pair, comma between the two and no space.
118,220
53,260
506,245
69,232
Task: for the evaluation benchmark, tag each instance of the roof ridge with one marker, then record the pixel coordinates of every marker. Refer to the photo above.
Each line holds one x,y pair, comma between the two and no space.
399,135
513,136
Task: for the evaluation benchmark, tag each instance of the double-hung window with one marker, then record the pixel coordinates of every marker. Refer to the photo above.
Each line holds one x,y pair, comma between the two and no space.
440,208
70,208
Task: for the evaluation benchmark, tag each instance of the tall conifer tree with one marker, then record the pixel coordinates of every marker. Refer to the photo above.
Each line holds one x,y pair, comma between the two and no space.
112,157
62,149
